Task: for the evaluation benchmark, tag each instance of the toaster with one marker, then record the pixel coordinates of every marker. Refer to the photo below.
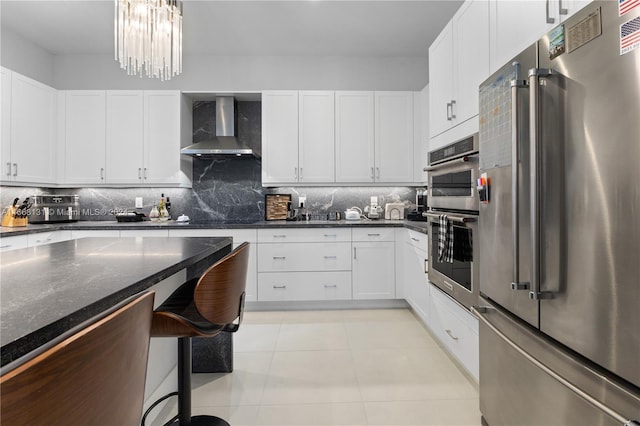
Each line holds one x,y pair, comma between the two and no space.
54,208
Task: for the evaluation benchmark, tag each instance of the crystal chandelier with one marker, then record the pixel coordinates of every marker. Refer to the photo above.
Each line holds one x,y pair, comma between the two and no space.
148,34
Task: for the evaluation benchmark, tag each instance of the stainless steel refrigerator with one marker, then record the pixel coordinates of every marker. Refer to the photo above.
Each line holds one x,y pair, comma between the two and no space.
559,227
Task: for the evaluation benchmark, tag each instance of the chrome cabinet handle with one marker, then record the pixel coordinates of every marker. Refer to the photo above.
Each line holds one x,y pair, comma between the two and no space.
534,143
144,174
550,20
331,257
426,266
9,169
15,169
6,246
453,102
301,174
330,235
330,286
139,173
295,173
354,253
516,85
415,239
562,10
101,173
373,174
373,235
279,257
279,286
451,335
43,241
449,108
378,172
279,236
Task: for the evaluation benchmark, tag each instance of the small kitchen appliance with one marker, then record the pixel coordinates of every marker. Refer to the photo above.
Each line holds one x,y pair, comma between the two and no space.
54,208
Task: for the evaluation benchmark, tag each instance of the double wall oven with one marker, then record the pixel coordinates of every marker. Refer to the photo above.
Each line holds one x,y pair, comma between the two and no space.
453,219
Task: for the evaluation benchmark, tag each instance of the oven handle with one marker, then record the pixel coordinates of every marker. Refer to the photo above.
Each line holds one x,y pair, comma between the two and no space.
466,159
460,219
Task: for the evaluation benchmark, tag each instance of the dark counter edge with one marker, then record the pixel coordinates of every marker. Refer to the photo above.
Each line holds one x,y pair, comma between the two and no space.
113,225
23,349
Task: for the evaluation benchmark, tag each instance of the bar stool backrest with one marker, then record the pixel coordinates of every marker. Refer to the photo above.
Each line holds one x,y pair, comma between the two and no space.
219,294
94,377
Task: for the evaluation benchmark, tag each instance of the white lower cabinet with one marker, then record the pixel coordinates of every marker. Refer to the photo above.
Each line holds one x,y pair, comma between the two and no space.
239,236
416,279
456,329
281,286
13,243
373,274
81,233
144,233
43,238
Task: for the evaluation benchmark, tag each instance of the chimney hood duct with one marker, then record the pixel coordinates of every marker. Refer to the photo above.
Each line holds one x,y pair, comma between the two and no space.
225,142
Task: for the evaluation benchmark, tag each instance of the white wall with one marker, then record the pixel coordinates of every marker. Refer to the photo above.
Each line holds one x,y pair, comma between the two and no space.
251,73
26,58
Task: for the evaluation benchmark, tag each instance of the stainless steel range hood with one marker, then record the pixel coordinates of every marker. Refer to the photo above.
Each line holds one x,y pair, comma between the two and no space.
225,142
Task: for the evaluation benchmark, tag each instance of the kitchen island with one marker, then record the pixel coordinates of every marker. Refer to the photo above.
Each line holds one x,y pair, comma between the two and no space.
47,291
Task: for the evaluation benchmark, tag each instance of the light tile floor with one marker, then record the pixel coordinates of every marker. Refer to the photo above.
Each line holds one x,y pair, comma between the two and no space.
350,367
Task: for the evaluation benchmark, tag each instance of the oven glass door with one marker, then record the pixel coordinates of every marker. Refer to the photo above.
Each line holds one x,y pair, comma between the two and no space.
461,270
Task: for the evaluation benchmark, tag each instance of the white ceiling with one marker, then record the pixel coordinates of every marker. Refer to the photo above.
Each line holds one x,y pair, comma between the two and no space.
266,28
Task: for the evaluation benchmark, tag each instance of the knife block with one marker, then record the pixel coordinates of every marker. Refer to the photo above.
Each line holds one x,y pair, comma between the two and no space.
11,221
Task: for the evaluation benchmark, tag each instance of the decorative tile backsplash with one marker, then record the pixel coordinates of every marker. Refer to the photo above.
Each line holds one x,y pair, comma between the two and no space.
225,189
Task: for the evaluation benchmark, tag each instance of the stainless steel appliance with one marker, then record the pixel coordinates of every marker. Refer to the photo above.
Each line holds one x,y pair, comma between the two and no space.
452,175
54,208
559,233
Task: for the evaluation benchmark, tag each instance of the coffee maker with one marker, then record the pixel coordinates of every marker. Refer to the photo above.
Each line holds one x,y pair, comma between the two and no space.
421,206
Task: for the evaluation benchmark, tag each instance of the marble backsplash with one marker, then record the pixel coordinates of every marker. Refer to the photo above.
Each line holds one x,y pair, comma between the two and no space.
225,189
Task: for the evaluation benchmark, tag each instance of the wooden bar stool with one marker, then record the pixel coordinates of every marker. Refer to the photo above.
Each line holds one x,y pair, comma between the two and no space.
203,306
94,377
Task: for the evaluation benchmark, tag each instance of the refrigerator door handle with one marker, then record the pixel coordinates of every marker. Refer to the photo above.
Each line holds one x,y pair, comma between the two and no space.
535,75
516,85
481,311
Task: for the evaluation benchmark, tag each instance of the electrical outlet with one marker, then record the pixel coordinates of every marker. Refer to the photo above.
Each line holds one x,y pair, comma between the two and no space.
139,203
302,199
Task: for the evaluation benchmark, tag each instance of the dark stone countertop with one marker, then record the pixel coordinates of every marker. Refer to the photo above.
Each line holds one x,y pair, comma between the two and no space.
110,225
48,290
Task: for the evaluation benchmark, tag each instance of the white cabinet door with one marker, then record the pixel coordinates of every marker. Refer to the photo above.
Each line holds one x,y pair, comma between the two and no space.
517,24
415,269
373,270
420,135
162,137
394,137
32,130
441,81
354,137
279,137
85,125
124,133
5,131
470,57
316,150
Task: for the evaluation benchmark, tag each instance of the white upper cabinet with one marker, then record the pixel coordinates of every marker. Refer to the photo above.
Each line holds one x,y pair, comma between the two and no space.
125,131
123,138
85,136
316,137
28,142
279,137
394,137
162,138
355,147
517,24
458,63
5,130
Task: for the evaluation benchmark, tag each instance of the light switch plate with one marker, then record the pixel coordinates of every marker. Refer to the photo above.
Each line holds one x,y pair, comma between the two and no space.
139,202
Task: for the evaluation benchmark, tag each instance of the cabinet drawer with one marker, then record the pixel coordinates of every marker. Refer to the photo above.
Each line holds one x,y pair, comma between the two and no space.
307,235
144,233
276,286
454,333
13,243
47,238
373,234
75,234
418,240
238,235
304,257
